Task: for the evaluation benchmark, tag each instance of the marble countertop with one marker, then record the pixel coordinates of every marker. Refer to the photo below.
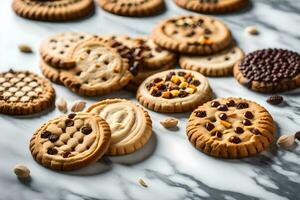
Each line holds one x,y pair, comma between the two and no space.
170,166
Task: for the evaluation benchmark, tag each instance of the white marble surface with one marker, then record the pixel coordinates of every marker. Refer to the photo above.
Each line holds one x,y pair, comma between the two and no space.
171,167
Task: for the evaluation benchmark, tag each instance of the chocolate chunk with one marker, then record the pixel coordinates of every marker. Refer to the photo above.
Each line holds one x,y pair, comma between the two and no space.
45,134
223,116
150,85
71,115
200,114
215,104
242,105
248,115
180,73
53,138
86,130
209,126
52,151
66,154
182,94
234,139
297,135
196,82
256,131
162,87
275,100
157,80
69,123
222,107
247,122
156,93
239,130
231,103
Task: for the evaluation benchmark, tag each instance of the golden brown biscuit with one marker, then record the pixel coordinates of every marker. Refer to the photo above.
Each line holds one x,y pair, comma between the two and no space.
230,128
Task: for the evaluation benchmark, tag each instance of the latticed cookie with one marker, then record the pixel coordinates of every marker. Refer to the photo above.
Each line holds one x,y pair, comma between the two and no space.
71,141
192,34
174,91
131,126
53,10
24,93
230,128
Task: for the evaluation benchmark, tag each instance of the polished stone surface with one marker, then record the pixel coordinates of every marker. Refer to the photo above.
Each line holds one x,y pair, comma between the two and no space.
171,167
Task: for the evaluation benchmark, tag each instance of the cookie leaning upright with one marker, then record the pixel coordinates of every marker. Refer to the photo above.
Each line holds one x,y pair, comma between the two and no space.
194,34
132,7
230,128
174,91
101,67
24,93
53,10
71,141
131,125
269,70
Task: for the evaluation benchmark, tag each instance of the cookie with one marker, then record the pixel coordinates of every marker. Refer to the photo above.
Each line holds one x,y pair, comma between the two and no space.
269,70
50,72
101,68
71,141
174,91
230,128
132,7
131,126
53,10
55,49
192,34
212,6
217,64
24,93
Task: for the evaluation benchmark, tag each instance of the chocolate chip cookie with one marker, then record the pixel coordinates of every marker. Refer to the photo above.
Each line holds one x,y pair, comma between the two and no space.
230,128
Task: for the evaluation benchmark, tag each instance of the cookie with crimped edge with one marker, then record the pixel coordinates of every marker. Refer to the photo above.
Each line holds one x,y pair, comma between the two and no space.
24,93
192,34
212,6
230,128
53,10
50,72
71,141
131,125
174,91
217,64
132,8
55,49
100,68
269,70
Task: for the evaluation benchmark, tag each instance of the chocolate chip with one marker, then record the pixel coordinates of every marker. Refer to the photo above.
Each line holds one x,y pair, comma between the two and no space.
181,73
247,122
297,135
222,107
207,31
248,115
86,130
200,114
162,87
256,131
66,154
69,122
239,130
52,151
156,93
157,80
46,134
196,82
242,105
182,94
234,139
53,138
275,100
158,49
209,126
150,85
215,104
231,103
223,116
71,115
217,133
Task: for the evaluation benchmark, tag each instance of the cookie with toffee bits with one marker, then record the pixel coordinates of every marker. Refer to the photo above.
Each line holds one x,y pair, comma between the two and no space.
101,67
71,141
24,93
230,128
131,126
217,64
53,10
212,6
269,70
174,91
192,34
132,7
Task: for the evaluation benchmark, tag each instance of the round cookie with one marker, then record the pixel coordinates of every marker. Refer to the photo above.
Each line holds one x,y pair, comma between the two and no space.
24,93
53,10
50,72
71,141
218,64
100,68
174,91
131,126
55,49
132,7
269,70
212,6
230,128
192,34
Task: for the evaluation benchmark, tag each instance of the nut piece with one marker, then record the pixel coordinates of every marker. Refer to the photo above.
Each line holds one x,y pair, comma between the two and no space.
169,122
286,141
251,30
25,48
142,183
22,171
61,104
275,99
78,106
